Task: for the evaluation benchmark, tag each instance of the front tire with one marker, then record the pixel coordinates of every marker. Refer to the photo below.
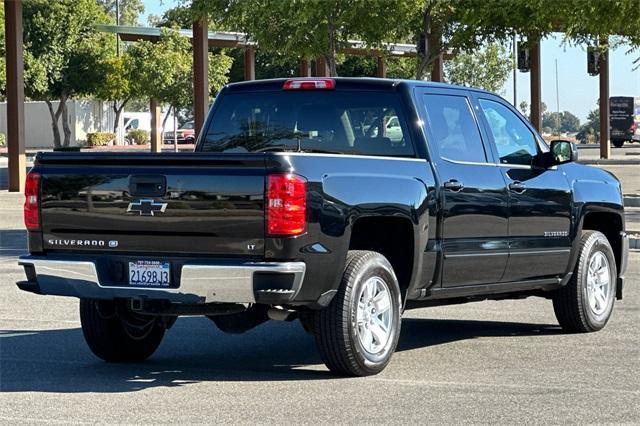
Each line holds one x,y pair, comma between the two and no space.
359,330
617,143
116,334
585,304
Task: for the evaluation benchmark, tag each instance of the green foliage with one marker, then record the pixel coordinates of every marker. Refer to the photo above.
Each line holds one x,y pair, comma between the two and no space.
219,66
138,136
130,10
487,68
357,66
309,29
268,65
63,53
100,138
590,131
399,67
63,47
563,122
179,16
3,139
163,70
115,83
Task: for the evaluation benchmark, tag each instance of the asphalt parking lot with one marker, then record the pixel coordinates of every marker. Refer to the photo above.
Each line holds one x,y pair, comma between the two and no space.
489,362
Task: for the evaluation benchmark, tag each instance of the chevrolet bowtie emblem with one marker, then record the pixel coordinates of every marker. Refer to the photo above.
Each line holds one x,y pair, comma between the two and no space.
147,207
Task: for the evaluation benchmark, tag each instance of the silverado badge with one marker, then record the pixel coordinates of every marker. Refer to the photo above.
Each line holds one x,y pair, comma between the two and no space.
146,207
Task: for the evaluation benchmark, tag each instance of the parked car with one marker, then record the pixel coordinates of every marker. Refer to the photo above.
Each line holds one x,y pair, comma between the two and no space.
296,205
624,120
184,134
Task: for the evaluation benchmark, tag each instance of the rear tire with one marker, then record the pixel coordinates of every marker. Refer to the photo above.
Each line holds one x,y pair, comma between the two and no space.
359,330
117,335
585,304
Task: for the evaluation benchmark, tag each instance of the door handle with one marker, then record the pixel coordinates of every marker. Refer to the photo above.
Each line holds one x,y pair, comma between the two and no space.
517,187
453,185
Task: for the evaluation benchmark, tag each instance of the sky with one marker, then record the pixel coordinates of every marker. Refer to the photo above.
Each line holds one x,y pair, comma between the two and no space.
578,92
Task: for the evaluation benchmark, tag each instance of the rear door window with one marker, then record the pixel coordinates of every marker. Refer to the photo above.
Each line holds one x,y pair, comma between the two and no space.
454,128
341,122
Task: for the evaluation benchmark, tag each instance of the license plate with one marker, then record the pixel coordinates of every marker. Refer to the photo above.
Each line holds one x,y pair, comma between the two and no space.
149,273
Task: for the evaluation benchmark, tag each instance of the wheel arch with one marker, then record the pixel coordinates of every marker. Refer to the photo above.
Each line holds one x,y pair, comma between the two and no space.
606,219
395,238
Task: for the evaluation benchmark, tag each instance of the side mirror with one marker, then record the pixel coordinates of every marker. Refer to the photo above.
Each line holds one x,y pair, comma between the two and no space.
563,151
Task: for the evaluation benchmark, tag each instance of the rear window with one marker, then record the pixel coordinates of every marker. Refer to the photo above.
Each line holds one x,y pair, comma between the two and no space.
341,122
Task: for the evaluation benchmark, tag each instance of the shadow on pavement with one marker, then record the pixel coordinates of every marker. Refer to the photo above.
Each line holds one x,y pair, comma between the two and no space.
195,351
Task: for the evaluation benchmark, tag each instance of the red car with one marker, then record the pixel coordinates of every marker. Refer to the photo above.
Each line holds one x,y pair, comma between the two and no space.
185,134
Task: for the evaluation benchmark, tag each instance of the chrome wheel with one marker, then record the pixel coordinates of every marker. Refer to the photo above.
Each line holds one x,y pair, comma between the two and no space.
598,283
374,315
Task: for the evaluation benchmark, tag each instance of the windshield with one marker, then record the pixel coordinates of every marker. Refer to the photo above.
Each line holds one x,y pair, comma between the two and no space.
349,122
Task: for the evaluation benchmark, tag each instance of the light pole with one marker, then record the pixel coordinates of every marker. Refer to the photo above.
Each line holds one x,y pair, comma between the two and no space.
515,69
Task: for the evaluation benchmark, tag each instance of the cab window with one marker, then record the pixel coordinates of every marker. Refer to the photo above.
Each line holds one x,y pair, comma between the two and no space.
515,143
339,122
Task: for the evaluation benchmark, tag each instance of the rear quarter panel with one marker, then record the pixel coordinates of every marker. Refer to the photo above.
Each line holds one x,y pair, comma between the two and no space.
342,189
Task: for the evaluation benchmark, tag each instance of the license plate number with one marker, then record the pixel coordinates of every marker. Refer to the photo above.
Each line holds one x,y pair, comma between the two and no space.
149,273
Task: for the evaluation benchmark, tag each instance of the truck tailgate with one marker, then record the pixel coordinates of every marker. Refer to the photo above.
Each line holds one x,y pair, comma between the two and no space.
153,203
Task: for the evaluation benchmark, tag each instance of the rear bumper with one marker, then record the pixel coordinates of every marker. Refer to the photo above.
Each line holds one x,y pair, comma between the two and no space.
249,282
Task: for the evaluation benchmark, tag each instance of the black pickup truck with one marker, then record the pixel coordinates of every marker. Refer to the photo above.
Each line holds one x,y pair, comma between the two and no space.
339,202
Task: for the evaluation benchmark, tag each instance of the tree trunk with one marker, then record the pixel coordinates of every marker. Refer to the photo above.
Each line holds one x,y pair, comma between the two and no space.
118,112
65,124
55,116
164,122
427,49
331,57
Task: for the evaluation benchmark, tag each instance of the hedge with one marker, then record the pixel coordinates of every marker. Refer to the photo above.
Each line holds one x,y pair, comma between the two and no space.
138,136
100,138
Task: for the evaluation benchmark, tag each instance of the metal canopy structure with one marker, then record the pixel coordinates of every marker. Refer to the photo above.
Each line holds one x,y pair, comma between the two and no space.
203,40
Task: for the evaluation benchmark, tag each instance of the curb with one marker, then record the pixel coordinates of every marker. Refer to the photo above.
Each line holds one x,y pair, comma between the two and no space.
610,162
631,200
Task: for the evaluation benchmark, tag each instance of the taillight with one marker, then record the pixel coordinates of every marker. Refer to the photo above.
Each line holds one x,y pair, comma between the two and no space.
32,202
286,205
310,84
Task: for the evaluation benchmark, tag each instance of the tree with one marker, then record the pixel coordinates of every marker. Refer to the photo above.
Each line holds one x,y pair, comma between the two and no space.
63,52
130,10
180,16
267,65
487,68
309,29
590,131
562,122
163,70
443,26
569,122
524,108
115,85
